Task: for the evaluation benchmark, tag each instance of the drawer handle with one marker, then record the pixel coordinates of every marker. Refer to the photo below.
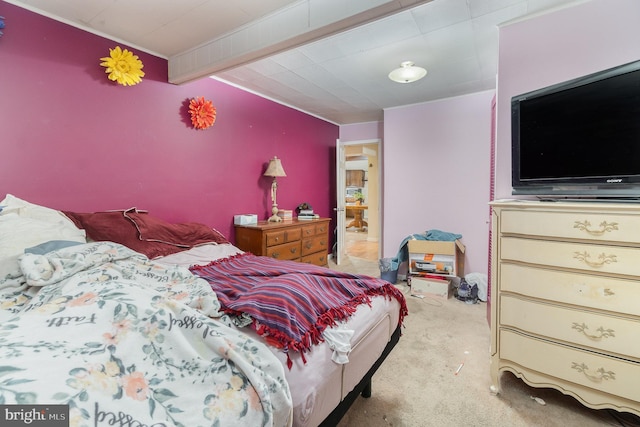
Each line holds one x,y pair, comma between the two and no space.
604,227
604,333
275,255
602,259
293,250
601,374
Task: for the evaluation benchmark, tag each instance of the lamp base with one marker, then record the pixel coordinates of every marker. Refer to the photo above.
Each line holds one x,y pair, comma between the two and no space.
274,217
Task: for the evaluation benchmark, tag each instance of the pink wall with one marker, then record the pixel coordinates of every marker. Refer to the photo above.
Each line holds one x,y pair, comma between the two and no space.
436,173
556,47
72,139
361,131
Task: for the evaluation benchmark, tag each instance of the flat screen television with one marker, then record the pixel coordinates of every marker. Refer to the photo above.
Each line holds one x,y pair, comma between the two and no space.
579,138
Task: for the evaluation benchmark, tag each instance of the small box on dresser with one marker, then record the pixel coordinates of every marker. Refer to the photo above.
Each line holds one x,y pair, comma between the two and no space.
302,241
245,219
565,289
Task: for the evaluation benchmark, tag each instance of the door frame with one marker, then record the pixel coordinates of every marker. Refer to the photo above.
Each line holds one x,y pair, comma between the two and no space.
340,194
341,184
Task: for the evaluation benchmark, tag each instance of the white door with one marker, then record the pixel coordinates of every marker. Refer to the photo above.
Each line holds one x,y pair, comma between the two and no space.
341,184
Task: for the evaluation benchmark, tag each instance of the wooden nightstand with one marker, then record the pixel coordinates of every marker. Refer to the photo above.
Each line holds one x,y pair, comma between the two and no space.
296,240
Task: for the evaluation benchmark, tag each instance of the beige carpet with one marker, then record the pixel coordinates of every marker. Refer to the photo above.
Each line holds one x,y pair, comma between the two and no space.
417,384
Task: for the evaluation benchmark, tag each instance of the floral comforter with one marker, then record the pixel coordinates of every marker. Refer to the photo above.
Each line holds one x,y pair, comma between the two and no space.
126,341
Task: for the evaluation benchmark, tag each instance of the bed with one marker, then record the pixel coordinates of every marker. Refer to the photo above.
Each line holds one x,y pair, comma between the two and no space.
128,319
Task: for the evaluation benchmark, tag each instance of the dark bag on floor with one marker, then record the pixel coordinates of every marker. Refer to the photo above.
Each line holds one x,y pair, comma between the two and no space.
466,292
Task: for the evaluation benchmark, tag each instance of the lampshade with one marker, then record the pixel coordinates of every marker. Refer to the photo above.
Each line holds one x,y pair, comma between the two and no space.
407,73
275,168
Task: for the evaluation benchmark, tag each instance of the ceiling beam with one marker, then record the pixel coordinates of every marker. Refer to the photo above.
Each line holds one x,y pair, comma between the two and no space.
300,23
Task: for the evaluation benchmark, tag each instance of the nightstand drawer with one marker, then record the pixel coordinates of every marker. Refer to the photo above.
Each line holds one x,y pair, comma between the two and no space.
288,251
314,244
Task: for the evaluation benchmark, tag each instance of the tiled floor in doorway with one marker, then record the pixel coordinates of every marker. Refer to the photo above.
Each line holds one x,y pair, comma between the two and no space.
357,246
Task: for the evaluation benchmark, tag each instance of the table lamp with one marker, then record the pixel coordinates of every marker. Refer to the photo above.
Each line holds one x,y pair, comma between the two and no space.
275,170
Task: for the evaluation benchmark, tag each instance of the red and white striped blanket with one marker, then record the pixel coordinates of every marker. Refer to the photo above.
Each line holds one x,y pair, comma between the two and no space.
291,303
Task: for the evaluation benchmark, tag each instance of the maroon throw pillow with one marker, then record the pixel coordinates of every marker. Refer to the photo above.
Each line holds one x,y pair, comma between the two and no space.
144,233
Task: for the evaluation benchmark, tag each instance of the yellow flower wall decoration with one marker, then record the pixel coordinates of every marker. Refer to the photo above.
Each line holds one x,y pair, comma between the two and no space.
203,113
123,67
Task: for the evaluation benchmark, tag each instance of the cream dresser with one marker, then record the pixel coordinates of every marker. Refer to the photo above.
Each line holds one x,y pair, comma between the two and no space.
565,299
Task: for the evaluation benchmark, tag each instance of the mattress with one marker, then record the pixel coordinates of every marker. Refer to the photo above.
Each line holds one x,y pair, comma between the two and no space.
320,384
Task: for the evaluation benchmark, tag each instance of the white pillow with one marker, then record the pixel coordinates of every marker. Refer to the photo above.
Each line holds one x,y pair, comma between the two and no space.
18,233
13,204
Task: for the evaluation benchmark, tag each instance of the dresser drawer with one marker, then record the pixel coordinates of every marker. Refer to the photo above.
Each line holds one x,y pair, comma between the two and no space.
591,291
606,374
580,256
314,229
283,236
288,251
308,230
598,331
314,244
322,228
572,225
319,258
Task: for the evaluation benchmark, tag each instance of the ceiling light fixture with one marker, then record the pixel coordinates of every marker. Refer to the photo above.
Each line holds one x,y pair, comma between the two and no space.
407,73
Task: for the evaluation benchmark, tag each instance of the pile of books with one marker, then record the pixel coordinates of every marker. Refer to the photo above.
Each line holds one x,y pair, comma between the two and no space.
306,214
285,214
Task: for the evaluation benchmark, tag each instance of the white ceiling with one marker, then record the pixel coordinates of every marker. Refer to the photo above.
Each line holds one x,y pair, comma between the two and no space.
329,58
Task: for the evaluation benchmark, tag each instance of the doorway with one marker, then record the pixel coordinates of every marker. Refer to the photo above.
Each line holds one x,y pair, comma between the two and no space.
362,201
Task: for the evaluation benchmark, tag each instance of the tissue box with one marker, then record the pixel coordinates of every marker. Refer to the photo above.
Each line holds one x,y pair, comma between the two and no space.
246,219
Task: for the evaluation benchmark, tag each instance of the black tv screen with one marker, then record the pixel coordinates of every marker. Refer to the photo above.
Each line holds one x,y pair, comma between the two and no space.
580,137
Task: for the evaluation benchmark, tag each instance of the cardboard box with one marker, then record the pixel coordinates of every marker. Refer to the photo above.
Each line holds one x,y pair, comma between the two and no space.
246,219
445,258
439,288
